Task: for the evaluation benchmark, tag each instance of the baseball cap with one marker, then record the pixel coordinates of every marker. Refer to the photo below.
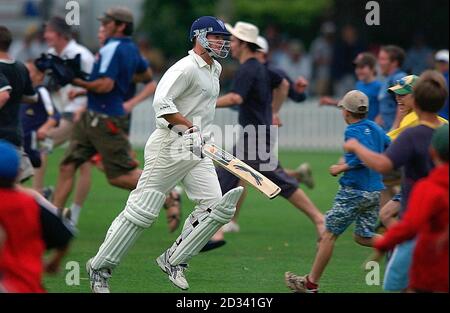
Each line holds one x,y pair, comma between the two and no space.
355,101
405,85
441,56
120,14
262,42
365,59
439,140
9,160
59,25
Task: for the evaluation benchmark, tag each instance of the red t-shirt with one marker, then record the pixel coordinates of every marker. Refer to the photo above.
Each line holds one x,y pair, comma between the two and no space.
426,218
21,264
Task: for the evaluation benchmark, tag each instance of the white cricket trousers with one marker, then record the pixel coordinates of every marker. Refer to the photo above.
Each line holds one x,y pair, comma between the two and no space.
167,163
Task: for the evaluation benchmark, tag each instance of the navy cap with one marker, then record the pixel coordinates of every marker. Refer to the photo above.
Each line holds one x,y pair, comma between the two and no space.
9,160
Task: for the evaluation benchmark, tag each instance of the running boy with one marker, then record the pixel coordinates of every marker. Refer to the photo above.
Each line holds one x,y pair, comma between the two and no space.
358,197
28,226
409,152
37,120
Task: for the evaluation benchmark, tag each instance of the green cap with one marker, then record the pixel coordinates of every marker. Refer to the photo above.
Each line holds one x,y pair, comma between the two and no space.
440,141
405,85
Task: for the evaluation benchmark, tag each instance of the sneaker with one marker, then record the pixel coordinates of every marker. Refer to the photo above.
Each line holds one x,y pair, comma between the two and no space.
304,175
231,227
213,244
300,284
176,273
98,278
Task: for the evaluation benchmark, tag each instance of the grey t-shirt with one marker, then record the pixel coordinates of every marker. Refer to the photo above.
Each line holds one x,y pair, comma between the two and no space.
410,151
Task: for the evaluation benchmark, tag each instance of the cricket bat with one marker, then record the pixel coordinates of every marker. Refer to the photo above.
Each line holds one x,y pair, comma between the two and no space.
241,170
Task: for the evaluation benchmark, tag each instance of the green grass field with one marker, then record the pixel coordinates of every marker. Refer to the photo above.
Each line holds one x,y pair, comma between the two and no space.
275,237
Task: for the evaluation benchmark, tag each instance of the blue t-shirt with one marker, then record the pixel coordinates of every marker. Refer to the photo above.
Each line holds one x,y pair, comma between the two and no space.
444,111
388,104
254,84
371,90
118,59
359,176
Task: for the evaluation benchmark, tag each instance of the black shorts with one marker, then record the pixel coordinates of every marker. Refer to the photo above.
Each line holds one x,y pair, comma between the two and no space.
30,145
287,183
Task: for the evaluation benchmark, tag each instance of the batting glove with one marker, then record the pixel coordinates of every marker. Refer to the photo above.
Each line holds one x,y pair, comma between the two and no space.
193,140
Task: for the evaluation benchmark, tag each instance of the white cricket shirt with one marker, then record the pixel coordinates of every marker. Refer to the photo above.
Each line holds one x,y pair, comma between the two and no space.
190,87
87,62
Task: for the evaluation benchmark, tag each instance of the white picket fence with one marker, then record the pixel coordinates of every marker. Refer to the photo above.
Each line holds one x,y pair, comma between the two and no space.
306,126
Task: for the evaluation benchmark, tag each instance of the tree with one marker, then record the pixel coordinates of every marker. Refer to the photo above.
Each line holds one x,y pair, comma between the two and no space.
167,22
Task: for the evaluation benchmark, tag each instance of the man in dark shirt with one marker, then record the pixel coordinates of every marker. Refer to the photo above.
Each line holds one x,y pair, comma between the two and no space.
14,80
252,92
4,90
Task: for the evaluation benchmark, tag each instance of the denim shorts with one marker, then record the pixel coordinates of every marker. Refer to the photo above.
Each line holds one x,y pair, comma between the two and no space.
352,205
396,277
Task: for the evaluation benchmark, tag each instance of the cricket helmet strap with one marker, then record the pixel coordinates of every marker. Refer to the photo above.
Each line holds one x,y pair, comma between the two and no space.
205,25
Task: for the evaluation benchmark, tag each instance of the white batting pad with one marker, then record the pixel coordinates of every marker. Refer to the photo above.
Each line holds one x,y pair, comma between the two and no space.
197,233
127,227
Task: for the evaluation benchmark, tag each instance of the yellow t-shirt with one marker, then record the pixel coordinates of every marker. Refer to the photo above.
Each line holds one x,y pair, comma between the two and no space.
408,121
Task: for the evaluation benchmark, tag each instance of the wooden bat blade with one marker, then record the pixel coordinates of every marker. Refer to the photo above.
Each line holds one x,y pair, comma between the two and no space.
241,170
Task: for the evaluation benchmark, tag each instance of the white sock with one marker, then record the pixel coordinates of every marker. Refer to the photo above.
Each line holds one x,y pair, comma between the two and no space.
75,210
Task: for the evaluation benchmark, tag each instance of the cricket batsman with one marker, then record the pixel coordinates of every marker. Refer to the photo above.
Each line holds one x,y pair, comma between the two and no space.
187,93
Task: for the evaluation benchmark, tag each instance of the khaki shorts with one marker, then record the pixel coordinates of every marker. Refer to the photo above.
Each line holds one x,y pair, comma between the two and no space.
105,135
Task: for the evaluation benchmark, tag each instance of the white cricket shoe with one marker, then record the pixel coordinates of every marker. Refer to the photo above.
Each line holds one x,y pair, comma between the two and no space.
176,273
98,279
231,227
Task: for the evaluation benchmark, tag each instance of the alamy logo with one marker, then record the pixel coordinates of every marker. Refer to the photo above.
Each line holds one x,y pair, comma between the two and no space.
373,17
73,16
73,274
373,276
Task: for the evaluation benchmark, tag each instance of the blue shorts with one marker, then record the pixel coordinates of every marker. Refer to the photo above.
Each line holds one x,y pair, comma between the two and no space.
396,277
352,205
